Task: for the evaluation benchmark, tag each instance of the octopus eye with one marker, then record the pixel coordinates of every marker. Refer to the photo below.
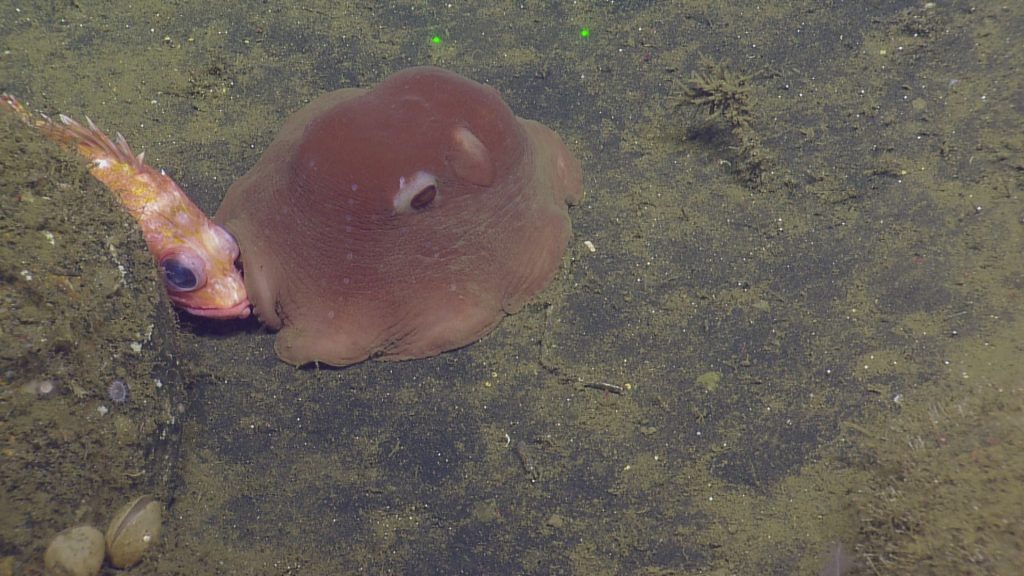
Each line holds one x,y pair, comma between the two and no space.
182,273
415,193
423,198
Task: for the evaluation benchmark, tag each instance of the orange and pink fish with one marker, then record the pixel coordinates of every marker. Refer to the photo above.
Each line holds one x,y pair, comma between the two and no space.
197,259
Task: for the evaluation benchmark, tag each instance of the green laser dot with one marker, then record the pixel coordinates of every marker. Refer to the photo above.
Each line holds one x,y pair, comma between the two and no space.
435,40
584,32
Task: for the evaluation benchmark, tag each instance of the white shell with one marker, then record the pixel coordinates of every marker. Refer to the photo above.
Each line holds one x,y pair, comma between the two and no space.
76,551
134,528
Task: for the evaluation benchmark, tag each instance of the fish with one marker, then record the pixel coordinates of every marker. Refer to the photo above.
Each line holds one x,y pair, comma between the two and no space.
198,260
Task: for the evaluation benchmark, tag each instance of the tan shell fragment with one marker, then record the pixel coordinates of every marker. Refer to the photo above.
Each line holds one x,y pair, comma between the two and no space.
76,551
134,528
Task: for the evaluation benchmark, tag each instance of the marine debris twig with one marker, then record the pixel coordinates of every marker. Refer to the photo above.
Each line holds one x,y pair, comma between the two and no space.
605,387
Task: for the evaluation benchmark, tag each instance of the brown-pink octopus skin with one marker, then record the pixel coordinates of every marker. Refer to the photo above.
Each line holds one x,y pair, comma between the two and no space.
401,221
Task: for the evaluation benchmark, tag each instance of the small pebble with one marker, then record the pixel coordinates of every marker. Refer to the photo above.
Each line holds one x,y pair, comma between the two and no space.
41,388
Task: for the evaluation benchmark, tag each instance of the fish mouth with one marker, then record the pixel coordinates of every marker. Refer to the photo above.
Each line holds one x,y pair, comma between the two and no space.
241,310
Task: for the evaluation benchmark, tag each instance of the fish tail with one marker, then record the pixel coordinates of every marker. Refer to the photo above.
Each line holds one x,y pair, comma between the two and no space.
88,140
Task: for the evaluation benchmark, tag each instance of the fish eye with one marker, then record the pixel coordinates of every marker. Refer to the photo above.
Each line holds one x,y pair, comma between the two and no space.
182,273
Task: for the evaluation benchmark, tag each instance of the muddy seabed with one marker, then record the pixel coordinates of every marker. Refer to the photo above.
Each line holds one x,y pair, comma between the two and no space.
787,330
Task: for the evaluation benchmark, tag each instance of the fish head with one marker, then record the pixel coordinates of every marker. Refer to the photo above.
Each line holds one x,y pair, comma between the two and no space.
201,273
